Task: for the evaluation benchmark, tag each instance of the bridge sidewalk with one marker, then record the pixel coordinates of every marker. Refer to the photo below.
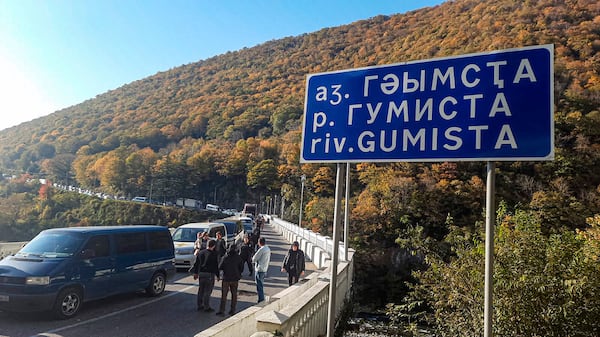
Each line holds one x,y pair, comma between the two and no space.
275,280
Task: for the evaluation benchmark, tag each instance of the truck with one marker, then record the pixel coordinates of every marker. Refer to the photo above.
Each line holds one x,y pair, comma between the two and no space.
250,209
189,203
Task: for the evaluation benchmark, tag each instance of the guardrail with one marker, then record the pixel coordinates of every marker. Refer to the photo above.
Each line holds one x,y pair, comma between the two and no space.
301,309
318,247
307,316
8,248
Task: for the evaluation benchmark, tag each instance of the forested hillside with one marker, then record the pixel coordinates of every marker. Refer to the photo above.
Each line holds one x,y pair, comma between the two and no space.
228,128
205,125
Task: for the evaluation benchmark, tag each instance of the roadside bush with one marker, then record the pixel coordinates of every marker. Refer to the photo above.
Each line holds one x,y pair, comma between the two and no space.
544,285
23,215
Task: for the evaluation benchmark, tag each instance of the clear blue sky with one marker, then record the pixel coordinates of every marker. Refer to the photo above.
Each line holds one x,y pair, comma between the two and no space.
57,53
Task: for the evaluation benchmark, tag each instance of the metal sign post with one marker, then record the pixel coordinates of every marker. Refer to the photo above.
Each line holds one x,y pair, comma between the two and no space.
347,212
332,309
490,217
489,106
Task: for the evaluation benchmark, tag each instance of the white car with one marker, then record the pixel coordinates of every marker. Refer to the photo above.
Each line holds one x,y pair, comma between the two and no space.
235,231
185,236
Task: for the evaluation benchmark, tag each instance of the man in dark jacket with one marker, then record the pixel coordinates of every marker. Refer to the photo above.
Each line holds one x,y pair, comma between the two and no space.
294,263
246,252
205,268
221,247
255,237
232,266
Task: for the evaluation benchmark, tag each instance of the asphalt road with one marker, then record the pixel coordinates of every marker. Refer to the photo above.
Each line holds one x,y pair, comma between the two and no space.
172,314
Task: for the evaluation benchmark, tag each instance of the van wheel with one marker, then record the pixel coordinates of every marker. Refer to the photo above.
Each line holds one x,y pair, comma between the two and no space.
68,303
157,284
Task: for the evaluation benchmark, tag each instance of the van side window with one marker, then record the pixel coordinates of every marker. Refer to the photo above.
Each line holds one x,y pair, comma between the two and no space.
100,245
213,231
160,240
131,243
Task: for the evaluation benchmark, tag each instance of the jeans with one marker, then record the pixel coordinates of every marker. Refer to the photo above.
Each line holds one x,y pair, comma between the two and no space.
259,277
205,288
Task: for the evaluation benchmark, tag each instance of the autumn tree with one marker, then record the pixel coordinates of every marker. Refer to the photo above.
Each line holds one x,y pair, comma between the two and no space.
59,167
138,169
323,181
263,177
169,179
111,171
285,118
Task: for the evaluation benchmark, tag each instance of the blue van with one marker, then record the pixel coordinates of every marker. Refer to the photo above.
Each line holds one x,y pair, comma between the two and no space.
63,267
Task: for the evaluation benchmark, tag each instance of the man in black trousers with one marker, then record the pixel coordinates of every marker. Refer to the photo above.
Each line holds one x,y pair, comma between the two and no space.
294,263
220,246
205,268
246,252
231,265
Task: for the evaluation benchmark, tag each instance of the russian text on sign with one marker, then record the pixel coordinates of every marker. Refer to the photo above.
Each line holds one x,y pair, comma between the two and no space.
487,106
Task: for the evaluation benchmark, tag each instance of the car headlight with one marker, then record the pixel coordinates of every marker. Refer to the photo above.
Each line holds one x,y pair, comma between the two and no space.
38,280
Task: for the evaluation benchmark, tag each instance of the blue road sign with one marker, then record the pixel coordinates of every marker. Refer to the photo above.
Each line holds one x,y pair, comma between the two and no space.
493,106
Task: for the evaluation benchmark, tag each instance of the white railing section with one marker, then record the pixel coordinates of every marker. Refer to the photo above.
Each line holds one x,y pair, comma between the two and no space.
244,323
300,310
319,248
307,316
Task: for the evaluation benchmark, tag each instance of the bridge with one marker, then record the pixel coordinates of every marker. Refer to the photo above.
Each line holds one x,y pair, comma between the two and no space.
302,309
299,310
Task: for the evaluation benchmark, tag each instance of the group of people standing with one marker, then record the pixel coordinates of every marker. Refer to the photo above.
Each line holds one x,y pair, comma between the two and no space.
212,258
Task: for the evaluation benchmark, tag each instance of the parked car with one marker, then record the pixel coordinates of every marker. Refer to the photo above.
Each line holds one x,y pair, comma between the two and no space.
247,223
140,199
185,236
62,268
229,211
214,208
235,231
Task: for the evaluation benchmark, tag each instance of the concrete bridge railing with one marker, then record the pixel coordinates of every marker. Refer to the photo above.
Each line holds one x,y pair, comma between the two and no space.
318,247
302,309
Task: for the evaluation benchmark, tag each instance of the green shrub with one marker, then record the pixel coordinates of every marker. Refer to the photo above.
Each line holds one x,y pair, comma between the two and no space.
544,285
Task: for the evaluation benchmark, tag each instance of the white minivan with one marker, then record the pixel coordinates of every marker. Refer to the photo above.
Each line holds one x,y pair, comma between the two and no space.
213,208
185,236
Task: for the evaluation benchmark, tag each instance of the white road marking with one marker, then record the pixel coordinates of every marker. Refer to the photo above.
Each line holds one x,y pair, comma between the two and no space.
52,333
